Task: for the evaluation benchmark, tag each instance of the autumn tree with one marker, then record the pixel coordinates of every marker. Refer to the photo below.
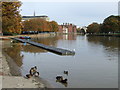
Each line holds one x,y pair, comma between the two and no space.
78,30
0,17
111,24
11,19
40,25
93,28
35,25
54,26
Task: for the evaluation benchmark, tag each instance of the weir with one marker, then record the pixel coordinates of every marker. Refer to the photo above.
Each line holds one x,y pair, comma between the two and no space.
49,48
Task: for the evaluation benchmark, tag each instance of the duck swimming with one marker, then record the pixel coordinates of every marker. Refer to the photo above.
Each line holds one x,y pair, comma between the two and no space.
64,81
59,78
66,72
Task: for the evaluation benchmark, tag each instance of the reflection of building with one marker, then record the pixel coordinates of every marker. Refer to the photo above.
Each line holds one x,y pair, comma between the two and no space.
67,36
1,33
67,28
35,17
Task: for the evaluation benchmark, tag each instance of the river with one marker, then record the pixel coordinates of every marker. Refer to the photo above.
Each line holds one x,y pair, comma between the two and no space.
94,65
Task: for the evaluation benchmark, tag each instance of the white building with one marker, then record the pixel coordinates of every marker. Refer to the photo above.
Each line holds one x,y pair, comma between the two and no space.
35,17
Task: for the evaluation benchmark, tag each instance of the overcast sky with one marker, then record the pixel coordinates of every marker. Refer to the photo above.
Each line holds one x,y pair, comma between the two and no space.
78,13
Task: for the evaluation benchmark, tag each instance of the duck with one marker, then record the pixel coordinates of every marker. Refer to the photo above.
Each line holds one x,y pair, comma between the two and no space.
66,72
36,74
59,78
64,81
33,70
28,75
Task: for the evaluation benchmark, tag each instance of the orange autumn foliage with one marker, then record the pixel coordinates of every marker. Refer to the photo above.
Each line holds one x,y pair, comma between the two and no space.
40,25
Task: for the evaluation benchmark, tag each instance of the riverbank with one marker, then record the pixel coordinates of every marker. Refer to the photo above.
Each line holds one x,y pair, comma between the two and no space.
112,35
30,35
10,81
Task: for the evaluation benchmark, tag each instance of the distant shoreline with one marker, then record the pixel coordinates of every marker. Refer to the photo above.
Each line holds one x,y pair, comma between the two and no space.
31,35
52,34
112,35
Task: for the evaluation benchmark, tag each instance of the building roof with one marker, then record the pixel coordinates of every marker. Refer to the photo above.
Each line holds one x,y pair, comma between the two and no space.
34,16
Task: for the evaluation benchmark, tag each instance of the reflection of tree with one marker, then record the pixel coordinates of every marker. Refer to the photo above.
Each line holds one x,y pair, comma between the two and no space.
14,53
32,49
50,41
110,43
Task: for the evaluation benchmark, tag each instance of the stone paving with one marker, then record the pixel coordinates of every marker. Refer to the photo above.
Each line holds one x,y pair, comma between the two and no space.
0,65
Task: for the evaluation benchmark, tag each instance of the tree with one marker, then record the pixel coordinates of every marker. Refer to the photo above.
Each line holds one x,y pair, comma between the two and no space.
40,25
79,30
11,19
54,26
0,17
93,28
111,24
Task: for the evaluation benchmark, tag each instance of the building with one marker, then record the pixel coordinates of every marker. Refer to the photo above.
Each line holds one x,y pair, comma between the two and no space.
35,17
84,28
67,28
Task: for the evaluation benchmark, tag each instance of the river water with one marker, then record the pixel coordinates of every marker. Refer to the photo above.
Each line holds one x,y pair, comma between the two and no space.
94,65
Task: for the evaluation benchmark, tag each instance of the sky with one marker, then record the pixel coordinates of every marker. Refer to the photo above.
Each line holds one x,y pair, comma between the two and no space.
79,13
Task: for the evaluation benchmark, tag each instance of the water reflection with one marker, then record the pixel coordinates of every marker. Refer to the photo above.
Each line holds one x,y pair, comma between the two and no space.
110,45
64,84
50,41
86,69
15,53
32,49
109,42
67,36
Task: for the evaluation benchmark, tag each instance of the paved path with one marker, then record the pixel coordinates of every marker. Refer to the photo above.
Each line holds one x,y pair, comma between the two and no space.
20,82
0,64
